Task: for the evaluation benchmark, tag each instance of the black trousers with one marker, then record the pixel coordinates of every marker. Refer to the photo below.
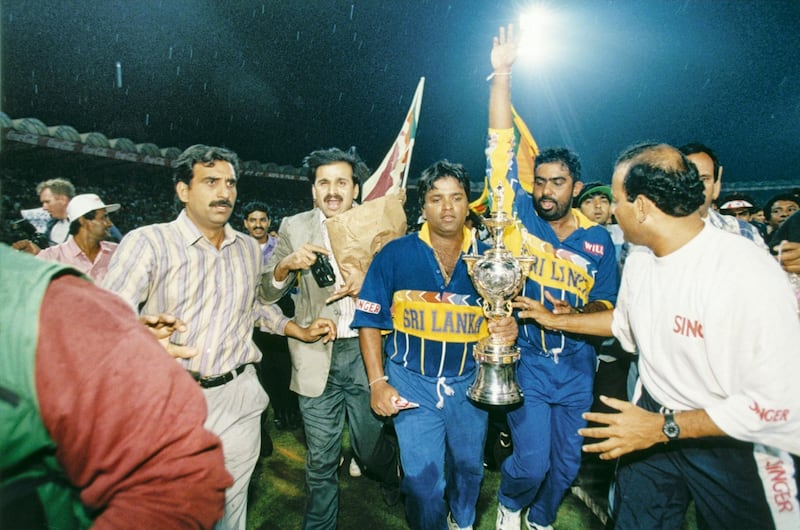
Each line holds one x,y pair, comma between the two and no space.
275,371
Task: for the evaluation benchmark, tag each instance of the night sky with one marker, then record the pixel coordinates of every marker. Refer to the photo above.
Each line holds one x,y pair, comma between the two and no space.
274,80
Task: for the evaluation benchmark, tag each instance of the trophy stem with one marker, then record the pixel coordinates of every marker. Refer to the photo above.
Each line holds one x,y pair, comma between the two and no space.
498,277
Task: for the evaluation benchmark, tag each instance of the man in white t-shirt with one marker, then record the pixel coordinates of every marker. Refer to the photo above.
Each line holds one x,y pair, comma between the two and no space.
718,407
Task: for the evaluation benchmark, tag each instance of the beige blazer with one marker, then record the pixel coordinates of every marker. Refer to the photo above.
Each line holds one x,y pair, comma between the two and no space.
310,362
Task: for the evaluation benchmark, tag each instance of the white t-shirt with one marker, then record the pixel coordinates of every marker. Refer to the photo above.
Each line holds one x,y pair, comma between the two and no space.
60,232
716,329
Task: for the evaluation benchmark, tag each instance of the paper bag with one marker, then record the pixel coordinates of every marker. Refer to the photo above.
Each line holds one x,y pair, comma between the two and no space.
359,233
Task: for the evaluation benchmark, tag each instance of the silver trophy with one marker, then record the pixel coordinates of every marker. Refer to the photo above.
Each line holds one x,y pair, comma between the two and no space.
498,276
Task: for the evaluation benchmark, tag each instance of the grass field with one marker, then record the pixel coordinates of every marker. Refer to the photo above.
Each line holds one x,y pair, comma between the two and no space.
277,496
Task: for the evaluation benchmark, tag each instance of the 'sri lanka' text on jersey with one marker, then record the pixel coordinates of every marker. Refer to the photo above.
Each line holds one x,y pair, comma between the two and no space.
580,269
434,326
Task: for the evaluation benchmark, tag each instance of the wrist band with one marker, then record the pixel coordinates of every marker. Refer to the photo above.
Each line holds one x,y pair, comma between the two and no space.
381,378
493,74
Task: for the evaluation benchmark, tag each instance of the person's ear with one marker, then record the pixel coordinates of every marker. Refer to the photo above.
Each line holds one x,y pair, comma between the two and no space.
182,191
641,206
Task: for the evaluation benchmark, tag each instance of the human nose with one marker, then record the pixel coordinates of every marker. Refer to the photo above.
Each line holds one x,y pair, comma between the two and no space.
328,188
548,188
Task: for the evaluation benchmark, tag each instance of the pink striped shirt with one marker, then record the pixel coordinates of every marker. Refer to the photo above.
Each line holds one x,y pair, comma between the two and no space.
69,253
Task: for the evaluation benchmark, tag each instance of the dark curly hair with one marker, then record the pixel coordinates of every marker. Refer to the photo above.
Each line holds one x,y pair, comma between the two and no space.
323,157
562,155
254,206
665,176
439,170
202,154
696,147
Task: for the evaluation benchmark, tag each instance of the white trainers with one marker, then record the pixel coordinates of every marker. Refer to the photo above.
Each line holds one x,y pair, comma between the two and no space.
453,525
507,519
354,470
533,526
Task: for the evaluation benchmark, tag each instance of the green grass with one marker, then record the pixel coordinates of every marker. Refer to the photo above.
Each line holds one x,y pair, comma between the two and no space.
277,496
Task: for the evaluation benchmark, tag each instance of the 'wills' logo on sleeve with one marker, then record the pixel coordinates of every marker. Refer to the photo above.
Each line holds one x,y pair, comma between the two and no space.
594,248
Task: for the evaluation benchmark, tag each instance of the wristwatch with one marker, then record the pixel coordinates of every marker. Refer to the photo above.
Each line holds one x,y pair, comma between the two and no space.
670,428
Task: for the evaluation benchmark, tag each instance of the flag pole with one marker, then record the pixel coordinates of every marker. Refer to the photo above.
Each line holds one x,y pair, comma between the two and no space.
417,104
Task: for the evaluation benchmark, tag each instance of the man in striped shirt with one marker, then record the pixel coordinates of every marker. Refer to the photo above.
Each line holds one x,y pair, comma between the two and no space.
201,271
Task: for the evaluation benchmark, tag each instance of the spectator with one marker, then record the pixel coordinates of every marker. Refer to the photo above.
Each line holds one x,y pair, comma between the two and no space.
737,205
107,430
86,249
788,238
595,202
778,208
718,395
330,379
54,195
275,368
442,438
556,371
710,171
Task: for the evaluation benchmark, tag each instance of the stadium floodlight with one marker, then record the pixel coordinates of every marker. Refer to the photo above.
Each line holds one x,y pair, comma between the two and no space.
540,37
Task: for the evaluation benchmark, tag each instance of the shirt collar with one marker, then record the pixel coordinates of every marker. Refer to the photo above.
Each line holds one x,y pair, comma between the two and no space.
72,246
191,234
74,250
425,235
583,221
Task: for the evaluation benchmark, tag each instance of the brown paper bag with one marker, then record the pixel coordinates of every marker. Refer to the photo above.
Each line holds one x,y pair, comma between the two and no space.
359,233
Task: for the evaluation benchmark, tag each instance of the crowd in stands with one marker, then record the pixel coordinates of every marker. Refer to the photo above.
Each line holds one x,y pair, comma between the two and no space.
149,197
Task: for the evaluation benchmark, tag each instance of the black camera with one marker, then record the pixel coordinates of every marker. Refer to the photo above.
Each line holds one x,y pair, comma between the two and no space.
323,271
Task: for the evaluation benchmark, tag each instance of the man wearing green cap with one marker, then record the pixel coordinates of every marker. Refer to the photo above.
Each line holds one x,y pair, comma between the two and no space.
595,202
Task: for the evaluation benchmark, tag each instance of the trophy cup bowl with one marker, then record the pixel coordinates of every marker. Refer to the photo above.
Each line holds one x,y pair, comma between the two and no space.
497,276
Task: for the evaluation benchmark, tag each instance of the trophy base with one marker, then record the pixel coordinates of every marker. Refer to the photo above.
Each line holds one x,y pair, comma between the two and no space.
496,380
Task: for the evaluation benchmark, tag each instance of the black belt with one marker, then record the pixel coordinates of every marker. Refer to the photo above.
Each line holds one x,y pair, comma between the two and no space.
217,380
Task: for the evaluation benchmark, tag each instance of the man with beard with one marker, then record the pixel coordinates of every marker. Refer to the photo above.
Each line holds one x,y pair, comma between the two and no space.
201,271
330,378
575,270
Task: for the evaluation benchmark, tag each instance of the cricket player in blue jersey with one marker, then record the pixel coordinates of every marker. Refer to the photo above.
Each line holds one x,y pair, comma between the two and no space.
418,288
576,270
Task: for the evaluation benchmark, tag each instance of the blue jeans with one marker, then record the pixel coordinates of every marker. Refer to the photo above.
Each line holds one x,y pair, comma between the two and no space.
441,448
346,391
544,430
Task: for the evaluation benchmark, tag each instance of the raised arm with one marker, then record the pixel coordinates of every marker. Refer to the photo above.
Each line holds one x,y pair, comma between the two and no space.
504,53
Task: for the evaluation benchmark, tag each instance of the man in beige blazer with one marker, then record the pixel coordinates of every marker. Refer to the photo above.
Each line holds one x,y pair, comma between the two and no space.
329,378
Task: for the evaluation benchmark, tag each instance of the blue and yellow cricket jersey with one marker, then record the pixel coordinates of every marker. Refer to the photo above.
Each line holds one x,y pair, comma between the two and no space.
580,269
433,326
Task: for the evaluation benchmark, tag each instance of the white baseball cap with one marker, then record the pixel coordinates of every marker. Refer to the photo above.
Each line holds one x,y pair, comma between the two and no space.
737,203
82,204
